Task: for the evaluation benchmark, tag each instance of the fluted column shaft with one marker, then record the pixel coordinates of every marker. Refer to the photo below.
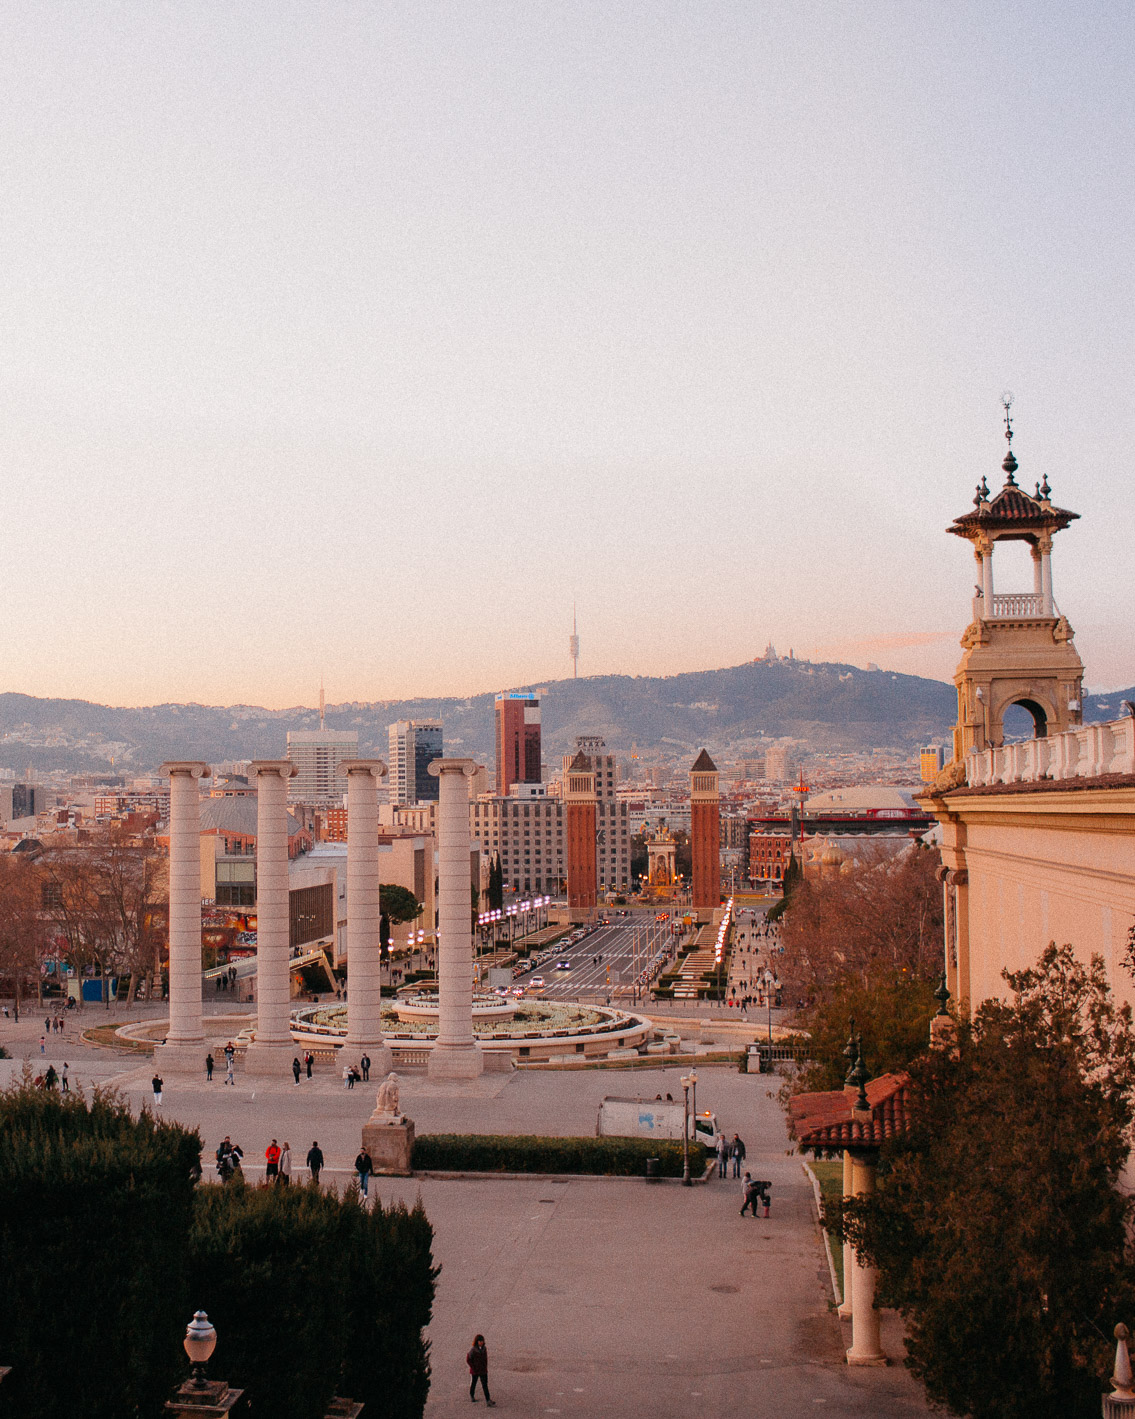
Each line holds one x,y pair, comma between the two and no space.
185,1015
456,1053
364,945
273,992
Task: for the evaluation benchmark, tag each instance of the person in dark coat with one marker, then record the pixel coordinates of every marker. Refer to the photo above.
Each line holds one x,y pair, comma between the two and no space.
478,1362
296,1070
315,1161
738,1152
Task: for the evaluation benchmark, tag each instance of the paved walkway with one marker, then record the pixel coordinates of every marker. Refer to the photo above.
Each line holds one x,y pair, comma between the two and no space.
598,1297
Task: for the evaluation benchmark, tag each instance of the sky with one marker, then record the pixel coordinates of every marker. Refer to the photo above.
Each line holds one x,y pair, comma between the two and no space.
361,340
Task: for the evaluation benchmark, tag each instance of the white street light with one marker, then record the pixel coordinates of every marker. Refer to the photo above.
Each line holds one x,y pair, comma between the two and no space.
200,1342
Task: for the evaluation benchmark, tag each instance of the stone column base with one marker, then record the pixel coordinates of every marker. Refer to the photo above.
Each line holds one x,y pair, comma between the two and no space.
381,1058
183,1058
264,1057
390,1146
456,1062
871,1358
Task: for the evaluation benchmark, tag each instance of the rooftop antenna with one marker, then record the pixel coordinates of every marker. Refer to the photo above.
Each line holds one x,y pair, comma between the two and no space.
1010,464
322,705
573,645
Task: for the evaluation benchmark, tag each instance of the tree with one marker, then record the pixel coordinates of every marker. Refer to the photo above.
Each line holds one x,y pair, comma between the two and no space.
881,916
891,1010
396,904
496,885
998,1225
95,1209
21,922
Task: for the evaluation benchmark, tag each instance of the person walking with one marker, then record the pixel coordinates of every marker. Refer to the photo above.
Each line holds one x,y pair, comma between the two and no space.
315,1161
43,1044
309,1060
156,1085
296,1070
65,1083
722,1155
478,1362
738,1151
50,1077
272,1161
284,1177
749,1195
364,1166
209,1063
364,1065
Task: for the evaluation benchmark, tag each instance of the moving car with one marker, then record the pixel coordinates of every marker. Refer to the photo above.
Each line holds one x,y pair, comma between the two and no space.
537,982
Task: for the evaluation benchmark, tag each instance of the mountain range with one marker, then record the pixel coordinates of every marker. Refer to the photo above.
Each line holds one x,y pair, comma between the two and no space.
729,711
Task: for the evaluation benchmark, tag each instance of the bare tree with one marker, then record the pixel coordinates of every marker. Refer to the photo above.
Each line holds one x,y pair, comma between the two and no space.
21,922
877,915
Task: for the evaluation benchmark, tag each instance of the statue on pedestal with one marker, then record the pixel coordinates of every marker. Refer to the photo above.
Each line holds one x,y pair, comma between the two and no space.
386,1104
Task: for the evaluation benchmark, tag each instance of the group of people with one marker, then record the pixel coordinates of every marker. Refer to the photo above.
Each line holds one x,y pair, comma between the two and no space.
277,1162
298,1069
226,981
354,1073
729,1148
230,1061
51,1076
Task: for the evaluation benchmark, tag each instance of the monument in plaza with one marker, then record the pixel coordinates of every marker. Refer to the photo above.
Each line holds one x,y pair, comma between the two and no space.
456,1054
271,1050
183,1049
388,1135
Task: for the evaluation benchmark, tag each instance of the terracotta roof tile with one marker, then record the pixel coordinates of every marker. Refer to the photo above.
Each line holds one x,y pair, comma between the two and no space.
825,1121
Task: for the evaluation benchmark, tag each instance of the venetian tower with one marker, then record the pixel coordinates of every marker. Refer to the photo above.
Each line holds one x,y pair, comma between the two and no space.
1018,647
705,834
580,803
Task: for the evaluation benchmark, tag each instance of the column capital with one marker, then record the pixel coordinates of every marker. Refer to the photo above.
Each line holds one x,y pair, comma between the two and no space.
195,768
468,767
284,767
363,766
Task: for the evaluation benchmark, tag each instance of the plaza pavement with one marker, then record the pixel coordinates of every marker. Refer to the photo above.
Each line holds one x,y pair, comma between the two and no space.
598,1297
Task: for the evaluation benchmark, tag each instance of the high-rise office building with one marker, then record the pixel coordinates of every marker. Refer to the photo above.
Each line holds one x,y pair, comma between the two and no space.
317,754
414,745
518,741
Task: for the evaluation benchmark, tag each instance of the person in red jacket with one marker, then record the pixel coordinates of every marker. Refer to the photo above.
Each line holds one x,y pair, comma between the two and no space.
272,1161
478,1362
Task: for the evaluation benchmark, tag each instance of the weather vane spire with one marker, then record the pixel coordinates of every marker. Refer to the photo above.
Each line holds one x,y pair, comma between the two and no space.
1010,463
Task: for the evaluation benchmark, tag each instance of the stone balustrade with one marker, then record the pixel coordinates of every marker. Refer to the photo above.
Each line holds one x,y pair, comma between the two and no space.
1018,603
1086,752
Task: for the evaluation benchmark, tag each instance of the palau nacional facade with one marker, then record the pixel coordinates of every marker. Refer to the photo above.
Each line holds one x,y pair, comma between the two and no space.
1038,837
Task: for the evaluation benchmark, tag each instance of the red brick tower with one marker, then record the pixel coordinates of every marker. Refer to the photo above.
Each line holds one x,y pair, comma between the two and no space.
580,801
705,833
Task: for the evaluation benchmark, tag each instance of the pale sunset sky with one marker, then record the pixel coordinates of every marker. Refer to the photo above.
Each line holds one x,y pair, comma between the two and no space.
362,339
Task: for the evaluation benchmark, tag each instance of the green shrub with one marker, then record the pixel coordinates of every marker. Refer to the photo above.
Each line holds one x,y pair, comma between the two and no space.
274,1267
95,1213
528,1153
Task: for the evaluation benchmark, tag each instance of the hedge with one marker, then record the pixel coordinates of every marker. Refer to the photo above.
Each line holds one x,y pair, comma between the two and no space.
530,1153
109,1246
95,1212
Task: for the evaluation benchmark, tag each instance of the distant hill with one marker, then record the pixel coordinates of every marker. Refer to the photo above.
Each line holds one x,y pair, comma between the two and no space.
729,711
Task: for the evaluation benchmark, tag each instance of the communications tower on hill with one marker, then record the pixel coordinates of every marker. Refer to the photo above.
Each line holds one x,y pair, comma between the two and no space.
573,646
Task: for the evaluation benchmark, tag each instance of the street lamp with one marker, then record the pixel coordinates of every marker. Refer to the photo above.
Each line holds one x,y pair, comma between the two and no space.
693,1076
686,1181
200,1342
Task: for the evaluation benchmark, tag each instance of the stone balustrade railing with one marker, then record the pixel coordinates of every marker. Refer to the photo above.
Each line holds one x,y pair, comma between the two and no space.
1018,603
1087,752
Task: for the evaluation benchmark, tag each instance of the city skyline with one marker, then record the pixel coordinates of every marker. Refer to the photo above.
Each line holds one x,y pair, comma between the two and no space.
721,303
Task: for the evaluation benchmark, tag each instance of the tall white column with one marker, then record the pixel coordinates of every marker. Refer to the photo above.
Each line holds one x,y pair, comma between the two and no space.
987,582
848,1249
184,1047
364,917
456,1053
272,1050
866,1343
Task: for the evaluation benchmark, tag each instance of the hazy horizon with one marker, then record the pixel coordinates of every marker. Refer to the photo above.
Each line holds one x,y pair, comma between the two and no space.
362,342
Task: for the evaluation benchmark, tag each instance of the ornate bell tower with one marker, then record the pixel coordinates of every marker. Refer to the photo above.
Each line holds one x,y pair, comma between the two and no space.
1018,647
